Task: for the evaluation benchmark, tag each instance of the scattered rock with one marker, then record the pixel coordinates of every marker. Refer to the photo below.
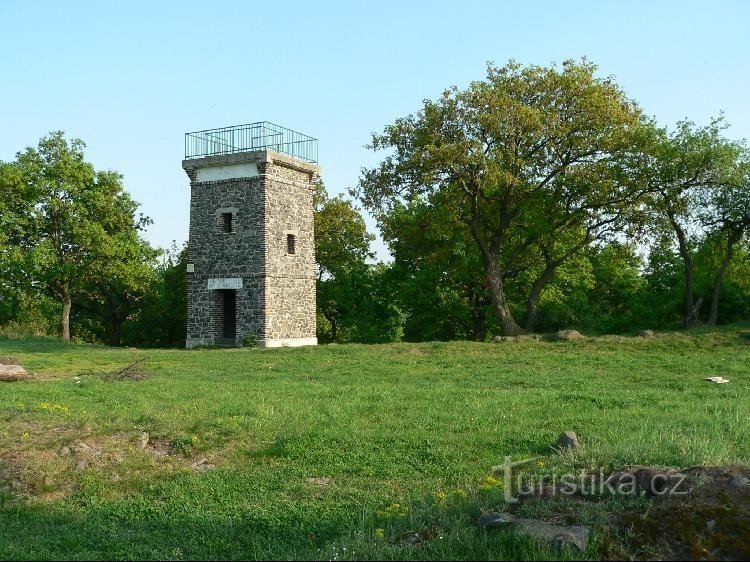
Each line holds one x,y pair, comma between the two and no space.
143,440
12,373
495,520
411,539
717,380
708,520
556,536
567,441
81,448
320,481
201,464
16,484
161,447
646,333
81,464
740,483
520,337
64,451
569,335
8,360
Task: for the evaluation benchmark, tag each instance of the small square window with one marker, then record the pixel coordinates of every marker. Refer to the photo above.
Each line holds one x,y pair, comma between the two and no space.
226,222
291,244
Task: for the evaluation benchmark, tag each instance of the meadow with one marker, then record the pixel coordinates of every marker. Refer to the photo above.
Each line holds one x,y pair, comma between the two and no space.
339,451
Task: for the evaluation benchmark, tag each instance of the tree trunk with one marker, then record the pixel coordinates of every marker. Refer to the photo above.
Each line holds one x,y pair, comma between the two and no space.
334,325
532,303
65,317
500,302
479,324
116,335
714,314
692,308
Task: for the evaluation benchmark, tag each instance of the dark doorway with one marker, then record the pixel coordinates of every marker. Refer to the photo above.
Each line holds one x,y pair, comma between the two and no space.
230,313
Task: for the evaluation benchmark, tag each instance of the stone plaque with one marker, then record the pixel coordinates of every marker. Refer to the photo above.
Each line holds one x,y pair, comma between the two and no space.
225,283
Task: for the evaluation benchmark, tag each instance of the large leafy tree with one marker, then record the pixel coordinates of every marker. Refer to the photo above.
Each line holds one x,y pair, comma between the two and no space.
727,213
341,237
15,210
531,163
160,319
354,297
119,285
342,246
695,181
76,215
439,274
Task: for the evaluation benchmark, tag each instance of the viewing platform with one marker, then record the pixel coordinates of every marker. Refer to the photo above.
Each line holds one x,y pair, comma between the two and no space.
262,135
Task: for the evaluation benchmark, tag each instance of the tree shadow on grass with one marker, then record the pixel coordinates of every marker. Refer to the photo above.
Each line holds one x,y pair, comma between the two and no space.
134,532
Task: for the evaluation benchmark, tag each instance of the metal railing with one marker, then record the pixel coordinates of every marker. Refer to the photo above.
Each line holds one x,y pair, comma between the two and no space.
253,136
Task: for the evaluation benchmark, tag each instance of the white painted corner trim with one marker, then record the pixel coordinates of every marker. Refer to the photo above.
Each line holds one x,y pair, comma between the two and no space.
289,342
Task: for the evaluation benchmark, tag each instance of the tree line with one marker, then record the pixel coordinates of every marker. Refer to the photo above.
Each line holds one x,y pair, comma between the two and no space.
535,199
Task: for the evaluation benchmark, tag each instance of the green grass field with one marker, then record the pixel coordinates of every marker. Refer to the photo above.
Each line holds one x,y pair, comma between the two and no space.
334,452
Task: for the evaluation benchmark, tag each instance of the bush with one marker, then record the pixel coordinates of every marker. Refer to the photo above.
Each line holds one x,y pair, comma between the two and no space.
250,340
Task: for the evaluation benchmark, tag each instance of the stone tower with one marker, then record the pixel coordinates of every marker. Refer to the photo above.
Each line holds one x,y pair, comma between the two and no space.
251,252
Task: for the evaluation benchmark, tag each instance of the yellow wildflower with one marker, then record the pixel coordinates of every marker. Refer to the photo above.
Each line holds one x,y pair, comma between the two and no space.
490,482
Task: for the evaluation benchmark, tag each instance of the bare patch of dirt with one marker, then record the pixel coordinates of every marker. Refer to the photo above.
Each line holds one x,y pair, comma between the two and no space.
132,372
43,464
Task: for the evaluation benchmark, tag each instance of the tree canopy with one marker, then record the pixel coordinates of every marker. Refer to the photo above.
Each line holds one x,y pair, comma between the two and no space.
72,225
532,163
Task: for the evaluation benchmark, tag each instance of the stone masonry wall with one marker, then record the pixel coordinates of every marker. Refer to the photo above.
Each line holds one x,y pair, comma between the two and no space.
215,253
290,278
277,300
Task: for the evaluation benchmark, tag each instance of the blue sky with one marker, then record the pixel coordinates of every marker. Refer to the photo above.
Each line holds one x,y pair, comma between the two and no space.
130,78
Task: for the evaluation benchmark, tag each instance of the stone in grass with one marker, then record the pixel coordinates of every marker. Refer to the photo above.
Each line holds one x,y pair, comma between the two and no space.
12,373
201,464
646,333
143,440
321,481
500,339
567,441
740,483
411,539
8,360
569,335
556,536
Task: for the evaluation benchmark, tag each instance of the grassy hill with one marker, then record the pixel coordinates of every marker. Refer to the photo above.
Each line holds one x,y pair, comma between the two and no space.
337,451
